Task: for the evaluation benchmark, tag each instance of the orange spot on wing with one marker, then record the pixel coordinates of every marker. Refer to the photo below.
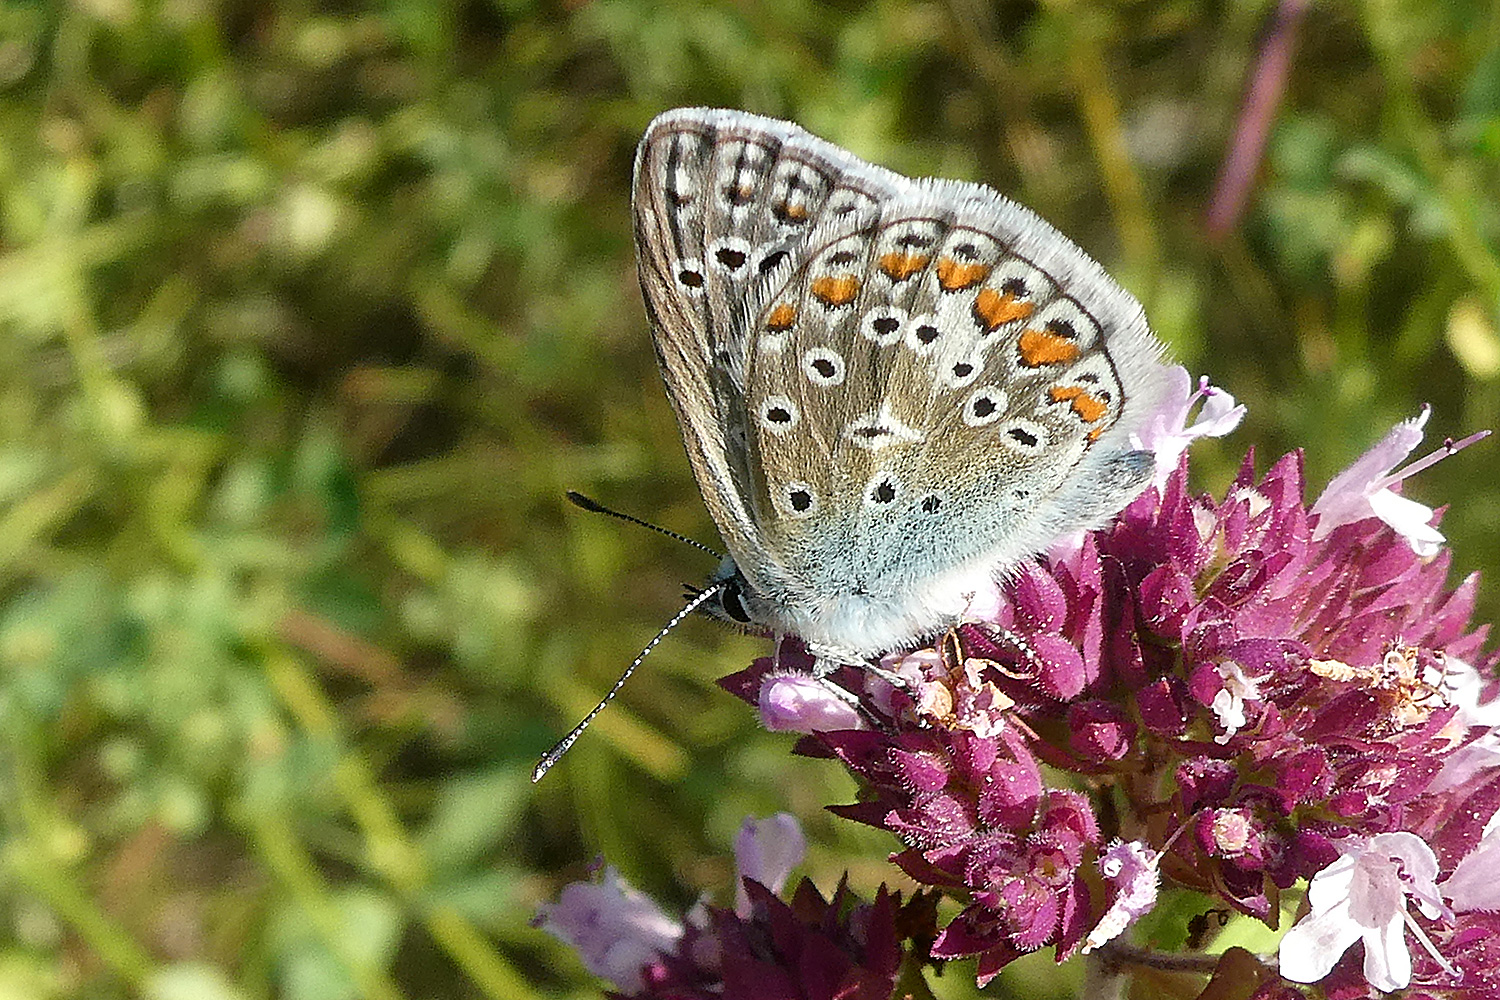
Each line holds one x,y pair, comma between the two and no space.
781,318
992,308
835,291
955,277
794,212
1095,434
900,266
1039,347
1089,408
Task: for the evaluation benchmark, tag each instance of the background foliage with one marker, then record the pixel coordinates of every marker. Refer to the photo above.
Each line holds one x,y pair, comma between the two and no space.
309,313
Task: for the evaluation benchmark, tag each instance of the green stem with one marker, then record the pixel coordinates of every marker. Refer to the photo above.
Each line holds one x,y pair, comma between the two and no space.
391,852
39,856
295,869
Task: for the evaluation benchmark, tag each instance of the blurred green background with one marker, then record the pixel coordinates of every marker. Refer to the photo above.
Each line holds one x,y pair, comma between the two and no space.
310,313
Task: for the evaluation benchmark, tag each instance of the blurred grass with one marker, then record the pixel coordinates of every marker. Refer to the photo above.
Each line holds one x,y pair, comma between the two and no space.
310,313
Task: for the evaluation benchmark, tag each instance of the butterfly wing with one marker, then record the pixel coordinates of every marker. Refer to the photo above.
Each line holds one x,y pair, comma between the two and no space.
890,390
722,202
934,395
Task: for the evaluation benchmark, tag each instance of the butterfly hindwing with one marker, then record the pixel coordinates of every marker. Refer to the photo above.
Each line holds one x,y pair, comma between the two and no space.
927,392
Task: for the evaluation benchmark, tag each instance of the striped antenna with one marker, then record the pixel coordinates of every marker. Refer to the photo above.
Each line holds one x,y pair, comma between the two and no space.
552,756
579,500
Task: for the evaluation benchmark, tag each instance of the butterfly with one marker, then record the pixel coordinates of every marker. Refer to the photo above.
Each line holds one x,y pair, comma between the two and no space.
891,391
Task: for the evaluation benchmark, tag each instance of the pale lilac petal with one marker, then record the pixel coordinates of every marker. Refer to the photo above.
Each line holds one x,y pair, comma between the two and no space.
1362,896
766,850
1364,490
801,703
1220,414
1475,883
1228,704
1134,872
615,929
1465,687
1418,864
1387,959
1368,469
1166,432
1331,886
1467,761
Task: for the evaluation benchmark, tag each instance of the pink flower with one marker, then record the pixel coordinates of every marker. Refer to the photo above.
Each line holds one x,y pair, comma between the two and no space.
1167,433
1363,897
616,930
1208,663
801,703
766,850
1367,488
1134,873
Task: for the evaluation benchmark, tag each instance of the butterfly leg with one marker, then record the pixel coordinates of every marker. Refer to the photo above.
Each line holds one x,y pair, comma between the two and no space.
1003,637
892,678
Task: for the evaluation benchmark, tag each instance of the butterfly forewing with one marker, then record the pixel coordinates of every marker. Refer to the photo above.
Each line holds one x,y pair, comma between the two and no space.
723,202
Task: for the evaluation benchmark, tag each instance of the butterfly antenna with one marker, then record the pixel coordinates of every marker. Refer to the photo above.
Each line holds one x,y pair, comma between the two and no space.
552,756
580,500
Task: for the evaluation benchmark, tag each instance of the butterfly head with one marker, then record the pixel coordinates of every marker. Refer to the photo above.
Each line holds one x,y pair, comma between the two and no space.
736,600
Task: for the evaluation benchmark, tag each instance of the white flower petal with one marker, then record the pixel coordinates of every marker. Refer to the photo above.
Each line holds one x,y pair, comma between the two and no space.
1475,883
1408,519
1387,959
1311,949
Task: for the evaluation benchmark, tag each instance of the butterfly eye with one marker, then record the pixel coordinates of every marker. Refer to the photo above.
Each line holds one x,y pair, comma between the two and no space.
734,604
